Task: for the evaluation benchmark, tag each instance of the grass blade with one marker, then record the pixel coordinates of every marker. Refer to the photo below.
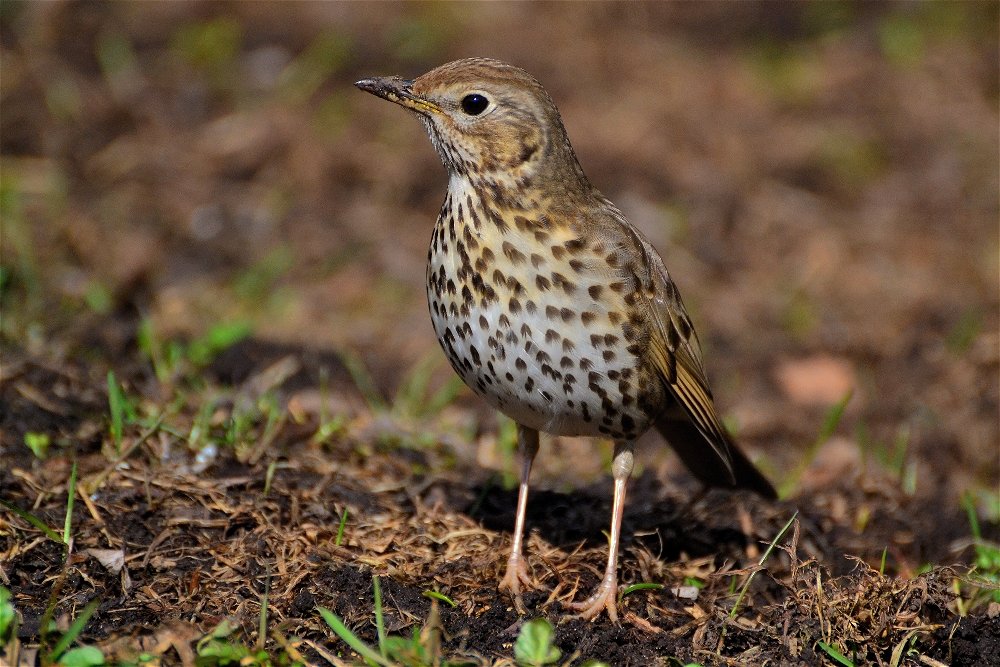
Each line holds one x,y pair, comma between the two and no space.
352,639
70,501
33,520
74,629
340,529
760,563
836,655
379,620
435,595
116,404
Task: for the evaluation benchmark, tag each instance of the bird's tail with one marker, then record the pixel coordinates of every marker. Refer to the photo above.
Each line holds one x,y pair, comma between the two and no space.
706,464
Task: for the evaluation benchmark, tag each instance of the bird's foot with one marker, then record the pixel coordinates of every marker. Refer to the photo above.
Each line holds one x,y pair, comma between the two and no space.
516,576
605,597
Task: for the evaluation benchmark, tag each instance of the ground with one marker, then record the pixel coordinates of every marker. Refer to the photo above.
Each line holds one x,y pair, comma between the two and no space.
211,283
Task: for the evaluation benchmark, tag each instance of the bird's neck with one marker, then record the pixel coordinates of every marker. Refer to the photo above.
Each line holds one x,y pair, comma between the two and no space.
521,192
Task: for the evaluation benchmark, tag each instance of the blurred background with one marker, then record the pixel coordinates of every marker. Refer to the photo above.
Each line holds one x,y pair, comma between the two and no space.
821,179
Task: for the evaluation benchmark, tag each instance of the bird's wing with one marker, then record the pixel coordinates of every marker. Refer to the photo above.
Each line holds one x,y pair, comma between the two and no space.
673,345
676,353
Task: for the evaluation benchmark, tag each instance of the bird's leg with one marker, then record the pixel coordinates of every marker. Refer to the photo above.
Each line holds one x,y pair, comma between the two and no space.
606,595
517,569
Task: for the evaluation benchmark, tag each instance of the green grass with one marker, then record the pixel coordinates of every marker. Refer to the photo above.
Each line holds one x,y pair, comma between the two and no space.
835,654
826,430
760,564
82,656
982,585
893,457
38,443
534,646
8,617
421,649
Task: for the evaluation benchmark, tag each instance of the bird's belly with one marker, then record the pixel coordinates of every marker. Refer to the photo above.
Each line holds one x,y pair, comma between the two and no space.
552,363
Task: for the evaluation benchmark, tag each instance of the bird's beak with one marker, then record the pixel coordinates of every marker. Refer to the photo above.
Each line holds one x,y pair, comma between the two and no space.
399,90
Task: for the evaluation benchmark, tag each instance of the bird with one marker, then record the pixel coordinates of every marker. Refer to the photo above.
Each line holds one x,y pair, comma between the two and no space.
549,303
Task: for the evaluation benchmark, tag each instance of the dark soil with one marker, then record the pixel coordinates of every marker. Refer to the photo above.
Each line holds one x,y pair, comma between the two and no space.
822,180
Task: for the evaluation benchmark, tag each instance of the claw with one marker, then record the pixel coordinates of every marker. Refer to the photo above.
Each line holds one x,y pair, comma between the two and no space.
516,576
604,597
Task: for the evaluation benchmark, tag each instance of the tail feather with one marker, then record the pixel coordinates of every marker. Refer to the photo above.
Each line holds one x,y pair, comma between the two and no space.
706,464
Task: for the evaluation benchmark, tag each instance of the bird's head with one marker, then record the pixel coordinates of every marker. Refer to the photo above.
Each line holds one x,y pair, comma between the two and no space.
486,118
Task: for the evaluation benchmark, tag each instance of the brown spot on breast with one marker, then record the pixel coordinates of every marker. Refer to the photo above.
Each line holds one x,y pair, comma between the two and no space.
514,306
542,283
595,291
560,280
558,251
551,335
536,260
512,253
574,246
566,314
587,317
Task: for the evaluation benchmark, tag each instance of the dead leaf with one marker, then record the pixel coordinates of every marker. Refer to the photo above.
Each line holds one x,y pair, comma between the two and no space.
112,559
817,380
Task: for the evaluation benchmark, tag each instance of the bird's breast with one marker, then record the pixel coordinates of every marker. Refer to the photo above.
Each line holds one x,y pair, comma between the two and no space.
534,323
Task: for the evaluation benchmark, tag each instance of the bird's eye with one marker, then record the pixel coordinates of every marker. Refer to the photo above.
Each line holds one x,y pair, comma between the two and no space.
474,104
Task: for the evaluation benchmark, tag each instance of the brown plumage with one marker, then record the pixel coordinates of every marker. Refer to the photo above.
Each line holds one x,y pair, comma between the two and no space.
547,301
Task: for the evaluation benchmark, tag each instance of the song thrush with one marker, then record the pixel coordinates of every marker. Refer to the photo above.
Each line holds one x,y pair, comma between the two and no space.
548,302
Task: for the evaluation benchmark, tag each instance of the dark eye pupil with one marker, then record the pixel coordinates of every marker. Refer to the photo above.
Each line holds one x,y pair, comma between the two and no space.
474,104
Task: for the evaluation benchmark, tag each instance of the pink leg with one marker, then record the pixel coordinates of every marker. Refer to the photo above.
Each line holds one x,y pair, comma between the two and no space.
606,595
517,569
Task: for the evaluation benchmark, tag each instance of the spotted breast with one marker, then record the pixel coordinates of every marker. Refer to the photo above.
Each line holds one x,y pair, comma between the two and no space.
535,319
